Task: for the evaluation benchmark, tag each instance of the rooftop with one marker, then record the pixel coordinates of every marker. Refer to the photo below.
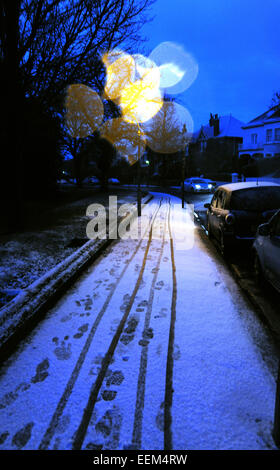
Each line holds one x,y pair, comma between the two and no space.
271,114
229,126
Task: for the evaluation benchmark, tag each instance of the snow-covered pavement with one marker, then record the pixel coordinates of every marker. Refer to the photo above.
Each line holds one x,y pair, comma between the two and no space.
149,349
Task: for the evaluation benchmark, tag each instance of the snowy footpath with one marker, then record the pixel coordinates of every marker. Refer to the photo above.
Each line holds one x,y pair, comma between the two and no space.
149,349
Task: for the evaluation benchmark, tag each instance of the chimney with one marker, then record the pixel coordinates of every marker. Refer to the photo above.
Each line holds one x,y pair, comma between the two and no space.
211,120
216,123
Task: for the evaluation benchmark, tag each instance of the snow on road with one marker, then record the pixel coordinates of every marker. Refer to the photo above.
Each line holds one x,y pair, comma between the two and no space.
147,350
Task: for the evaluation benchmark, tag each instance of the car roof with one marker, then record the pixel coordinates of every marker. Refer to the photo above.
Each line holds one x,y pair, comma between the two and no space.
246,185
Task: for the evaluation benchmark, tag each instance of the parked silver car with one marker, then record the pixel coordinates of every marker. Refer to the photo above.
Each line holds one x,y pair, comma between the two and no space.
237,209
267,252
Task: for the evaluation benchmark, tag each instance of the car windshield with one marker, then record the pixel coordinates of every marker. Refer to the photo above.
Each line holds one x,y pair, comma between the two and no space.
258,199
197,181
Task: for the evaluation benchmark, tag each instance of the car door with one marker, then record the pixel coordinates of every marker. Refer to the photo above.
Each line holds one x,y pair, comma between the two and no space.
218,213
271,252
210,214
215,212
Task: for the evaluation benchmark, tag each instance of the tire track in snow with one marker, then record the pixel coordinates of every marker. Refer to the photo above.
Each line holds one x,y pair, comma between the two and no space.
168,443
45,442
89,408
140,398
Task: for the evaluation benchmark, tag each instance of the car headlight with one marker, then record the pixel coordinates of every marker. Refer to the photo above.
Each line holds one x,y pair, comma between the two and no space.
210,186
197,186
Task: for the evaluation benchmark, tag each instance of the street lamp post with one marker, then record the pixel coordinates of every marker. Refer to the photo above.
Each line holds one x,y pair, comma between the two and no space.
139,178
139,189
183,179
183,166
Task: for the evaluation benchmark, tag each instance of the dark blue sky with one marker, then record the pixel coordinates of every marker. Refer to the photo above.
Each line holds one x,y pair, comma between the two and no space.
237,46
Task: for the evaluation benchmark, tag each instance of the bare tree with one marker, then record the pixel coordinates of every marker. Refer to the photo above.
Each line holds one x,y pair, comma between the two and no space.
61,42
11,97
45,45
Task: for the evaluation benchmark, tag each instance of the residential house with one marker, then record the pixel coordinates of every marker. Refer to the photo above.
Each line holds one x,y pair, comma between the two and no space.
214,148
261,136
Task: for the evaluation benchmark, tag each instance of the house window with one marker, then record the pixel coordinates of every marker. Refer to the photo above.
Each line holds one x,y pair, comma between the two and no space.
269,135
277,133
254,138
203,144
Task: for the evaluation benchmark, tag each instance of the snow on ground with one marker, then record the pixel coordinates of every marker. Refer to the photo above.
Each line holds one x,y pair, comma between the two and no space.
28,255
223,390
228,399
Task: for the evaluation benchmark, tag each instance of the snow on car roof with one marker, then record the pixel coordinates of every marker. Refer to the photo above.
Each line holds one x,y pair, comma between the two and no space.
246,185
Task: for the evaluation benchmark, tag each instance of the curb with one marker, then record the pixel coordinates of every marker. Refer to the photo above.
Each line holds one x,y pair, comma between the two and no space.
21,314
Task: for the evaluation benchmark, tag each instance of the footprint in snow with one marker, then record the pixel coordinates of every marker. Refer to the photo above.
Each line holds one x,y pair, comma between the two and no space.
176,352
160,418
109,428
115,378
10,397
63,352
109,395
159,285
21,438
81,330
41,371
3,437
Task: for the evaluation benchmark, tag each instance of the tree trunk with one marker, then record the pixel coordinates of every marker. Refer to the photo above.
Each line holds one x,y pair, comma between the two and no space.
77,163
11,132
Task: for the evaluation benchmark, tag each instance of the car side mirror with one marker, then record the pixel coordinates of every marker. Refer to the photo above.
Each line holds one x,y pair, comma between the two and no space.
207,206
264,230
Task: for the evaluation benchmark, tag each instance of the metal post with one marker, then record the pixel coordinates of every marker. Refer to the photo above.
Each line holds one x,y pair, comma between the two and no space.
276,428
138,184
183,179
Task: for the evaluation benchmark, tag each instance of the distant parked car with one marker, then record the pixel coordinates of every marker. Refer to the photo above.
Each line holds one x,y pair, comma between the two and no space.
198,185
91,180
267,252
62,181
113,181
237,209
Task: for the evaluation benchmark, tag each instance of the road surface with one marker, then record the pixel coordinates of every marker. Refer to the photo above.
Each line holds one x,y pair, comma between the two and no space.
154,347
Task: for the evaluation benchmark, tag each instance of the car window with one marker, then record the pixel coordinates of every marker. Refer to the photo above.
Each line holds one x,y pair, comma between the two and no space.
214,199
258,199
197,181
220,200
226,203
